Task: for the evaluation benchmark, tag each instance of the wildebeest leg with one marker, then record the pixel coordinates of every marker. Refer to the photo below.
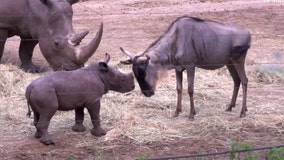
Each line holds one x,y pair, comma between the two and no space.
3,38
79,118
240,68
26,52
190,78
237,83
94,111
179,92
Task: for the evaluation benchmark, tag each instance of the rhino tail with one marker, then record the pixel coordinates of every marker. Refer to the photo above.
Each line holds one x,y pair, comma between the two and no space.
28,93
29,110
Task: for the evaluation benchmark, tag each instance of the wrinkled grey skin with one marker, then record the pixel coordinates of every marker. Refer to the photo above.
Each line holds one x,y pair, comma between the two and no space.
49,24
192,42
69,90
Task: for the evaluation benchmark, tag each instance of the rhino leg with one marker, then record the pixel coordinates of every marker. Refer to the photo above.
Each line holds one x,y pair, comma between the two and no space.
38,134
42,127
26,52
79,118
3,38
94,111
44,114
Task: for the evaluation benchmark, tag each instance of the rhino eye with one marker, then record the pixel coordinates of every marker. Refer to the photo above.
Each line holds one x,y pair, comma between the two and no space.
56,44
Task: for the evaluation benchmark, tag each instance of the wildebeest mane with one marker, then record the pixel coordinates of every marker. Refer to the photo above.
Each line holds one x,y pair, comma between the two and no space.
169,28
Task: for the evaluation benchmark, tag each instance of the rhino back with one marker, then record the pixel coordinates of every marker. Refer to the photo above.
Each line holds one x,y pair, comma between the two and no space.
13,17
71,89
22,17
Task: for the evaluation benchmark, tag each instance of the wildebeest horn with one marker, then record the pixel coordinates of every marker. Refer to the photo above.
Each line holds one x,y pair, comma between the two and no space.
85,52
107,58
143,59
126,52
77,38
130,60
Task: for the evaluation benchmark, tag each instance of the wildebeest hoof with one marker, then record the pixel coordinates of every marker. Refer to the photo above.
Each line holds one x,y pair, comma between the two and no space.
98,132
191,117
242,115
78,128
229,109
175,115
47,141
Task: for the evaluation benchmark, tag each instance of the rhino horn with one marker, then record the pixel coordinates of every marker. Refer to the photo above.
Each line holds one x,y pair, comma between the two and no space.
77,38
83,53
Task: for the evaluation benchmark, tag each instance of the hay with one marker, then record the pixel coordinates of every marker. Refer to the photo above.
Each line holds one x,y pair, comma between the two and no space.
147,120
269,73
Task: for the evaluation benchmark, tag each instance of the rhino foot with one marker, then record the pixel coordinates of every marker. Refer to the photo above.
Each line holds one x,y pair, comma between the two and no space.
78,128
98,131
47,141
38,135
31,68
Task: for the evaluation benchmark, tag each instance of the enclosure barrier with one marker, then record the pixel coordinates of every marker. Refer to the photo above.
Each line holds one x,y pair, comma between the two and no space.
214,154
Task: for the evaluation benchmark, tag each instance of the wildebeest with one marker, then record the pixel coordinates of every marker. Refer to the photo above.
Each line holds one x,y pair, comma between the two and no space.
191,42
49,24
69,90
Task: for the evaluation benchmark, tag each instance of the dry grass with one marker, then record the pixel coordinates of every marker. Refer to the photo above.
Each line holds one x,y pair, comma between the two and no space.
147,120
144,120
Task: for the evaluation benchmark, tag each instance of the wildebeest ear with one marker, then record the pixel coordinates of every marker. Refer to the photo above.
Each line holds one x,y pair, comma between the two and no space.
103,67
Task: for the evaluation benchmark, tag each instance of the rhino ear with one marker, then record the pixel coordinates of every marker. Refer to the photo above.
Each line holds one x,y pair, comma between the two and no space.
47,3
72,1
103,67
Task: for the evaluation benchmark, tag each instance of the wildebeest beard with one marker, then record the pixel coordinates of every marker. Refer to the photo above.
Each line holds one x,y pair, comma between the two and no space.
139,71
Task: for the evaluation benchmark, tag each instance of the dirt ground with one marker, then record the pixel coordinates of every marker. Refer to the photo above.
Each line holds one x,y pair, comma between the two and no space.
134,24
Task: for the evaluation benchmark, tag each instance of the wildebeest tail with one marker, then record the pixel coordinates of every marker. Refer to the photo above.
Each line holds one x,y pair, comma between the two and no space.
241,49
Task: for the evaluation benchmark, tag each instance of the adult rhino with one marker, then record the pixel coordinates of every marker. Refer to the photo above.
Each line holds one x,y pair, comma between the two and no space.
49,24
191,42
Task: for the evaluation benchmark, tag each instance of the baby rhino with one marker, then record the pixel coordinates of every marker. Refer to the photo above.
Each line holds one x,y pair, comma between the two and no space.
74,90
